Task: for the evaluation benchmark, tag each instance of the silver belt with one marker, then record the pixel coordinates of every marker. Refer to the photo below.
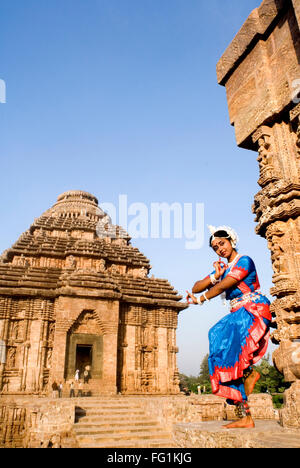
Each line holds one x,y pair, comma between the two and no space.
243,299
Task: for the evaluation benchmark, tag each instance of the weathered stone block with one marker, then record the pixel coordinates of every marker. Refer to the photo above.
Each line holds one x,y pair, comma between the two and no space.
261,70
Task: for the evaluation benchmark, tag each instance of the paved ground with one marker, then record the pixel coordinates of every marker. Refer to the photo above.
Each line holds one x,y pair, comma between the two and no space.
212,434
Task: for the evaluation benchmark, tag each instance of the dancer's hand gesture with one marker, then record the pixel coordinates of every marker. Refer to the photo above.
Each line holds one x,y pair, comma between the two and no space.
220,267
191,299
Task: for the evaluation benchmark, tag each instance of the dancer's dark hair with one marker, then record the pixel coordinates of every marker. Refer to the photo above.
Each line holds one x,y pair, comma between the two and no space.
220,233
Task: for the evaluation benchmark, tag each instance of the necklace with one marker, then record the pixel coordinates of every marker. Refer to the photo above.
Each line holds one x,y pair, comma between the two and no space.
233,262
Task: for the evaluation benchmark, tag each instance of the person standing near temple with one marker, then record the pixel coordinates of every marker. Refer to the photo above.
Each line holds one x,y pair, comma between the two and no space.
80,389
86,375
54,389
60,389
240,339
72,390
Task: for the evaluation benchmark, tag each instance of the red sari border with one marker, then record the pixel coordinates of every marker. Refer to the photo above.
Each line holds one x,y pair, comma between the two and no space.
254,349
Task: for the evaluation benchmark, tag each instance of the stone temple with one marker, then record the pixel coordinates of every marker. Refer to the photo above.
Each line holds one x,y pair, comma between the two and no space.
74,292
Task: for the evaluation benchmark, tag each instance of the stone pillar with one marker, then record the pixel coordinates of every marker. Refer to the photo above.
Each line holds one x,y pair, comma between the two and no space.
174,379
110,347
32,373
162,364
129,381
260,70
59,354
4,329
276,208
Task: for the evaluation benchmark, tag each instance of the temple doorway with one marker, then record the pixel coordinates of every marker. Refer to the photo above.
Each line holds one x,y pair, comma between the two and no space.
84,357
84,350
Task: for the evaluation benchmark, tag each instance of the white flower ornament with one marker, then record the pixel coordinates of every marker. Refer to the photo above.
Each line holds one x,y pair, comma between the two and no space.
231,232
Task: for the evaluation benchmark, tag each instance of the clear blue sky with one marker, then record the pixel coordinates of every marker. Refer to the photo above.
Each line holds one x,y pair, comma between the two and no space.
121,97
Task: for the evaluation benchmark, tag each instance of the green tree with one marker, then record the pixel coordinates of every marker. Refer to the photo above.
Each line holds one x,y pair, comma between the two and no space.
189,381
271,381
204,379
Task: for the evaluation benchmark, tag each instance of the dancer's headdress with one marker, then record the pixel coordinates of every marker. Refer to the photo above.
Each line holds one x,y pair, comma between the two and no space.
231,233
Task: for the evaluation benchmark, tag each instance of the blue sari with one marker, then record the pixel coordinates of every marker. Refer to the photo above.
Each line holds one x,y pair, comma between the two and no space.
240,339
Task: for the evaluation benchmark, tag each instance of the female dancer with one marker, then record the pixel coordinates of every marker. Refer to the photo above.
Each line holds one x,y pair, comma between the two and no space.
240,339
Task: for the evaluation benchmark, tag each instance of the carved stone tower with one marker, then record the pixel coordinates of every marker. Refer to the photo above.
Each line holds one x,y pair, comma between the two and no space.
261,72
75,294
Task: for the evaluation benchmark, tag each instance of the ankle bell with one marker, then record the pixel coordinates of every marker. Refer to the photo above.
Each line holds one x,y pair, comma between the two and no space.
242,410
247,372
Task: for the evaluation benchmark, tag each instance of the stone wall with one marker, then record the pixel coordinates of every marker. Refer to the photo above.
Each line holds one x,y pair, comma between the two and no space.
171,410
147,350
12,425
261,407
36,423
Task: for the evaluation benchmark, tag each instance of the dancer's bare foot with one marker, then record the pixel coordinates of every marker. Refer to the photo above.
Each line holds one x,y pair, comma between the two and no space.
250,382
246,422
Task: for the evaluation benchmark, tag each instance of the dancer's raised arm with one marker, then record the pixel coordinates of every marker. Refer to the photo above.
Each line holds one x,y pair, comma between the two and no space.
210,280
214,291
201,285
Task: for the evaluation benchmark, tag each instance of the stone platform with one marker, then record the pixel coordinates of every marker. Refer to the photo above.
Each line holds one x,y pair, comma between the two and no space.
211,434
138,421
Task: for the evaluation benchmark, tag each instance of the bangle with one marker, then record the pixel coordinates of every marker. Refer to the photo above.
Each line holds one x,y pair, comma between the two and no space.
213,279
204,295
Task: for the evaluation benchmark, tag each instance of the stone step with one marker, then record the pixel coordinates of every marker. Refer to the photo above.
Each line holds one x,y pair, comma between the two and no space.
107,405
113,418
153,443
117,422
107,409
86,424
112,398
109,412
106,401
119,436
117,430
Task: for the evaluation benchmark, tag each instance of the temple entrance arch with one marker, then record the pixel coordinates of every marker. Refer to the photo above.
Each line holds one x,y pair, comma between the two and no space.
84,347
